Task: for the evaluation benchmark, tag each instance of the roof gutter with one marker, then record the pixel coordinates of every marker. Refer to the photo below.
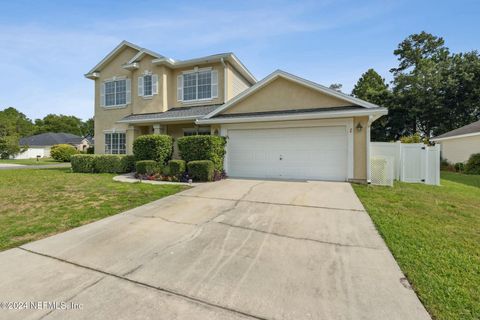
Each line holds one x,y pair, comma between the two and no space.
173,119
302,116
457,136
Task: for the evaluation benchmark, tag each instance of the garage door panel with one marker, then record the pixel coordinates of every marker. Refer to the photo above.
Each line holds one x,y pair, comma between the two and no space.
303,153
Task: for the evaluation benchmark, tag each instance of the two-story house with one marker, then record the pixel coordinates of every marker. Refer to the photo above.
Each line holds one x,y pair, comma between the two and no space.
280,127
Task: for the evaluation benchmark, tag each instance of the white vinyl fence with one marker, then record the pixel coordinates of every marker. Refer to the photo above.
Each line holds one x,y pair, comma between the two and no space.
408,162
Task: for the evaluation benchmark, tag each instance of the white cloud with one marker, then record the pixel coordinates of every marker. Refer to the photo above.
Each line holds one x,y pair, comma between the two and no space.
45,64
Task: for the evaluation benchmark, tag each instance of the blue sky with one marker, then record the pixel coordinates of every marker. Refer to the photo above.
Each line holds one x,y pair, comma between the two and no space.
47,46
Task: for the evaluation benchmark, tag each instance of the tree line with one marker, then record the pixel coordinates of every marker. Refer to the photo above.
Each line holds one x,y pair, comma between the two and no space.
433,90
15,125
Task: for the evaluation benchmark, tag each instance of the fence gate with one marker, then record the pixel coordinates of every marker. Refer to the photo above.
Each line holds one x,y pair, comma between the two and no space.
413,165
411,162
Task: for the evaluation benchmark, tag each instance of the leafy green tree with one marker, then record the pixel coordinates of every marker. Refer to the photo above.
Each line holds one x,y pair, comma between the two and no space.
418,82
372,87
9,146
59,123
460,91
336,87
88,128
13,122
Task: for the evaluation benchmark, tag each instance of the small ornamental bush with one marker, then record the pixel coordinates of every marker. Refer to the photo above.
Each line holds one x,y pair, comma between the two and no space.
83,163
157,147
148,167
202,147
102,163
62,152
201,170
473,164
177,167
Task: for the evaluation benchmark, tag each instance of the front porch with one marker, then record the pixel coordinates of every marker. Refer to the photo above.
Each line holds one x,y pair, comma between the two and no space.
175,130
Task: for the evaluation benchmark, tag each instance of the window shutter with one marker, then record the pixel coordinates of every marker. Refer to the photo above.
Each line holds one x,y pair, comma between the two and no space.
154,84
128,83
102,94
180,87
140,86
214,84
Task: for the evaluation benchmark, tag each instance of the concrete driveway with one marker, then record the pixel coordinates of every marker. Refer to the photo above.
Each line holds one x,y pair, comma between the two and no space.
235,249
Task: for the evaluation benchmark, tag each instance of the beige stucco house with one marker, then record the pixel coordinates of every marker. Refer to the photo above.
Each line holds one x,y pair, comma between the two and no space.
459,144
282,126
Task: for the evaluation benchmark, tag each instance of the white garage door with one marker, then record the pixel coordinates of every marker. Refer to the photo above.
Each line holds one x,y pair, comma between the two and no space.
289,153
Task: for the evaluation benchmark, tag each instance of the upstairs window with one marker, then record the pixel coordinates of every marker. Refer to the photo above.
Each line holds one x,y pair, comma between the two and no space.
197,85
115,143
147,85
115,93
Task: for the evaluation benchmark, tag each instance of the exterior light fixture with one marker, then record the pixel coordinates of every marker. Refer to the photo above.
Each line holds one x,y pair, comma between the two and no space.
359,127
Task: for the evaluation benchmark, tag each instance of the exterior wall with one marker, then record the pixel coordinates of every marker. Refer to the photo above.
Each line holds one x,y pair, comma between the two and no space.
283,94
172,85
459,149
360,149
236,83
105,119
156,102
33,152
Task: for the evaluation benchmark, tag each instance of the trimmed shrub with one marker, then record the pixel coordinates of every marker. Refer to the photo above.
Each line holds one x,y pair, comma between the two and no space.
147,167
102,163
62,152
83,163
201,170
473,164
157,147
177,167
128,163
108,163
202,147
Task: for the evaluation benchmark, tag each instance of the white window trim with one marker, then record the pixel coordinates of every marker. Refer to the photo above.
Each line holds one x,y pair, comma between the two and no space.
114,131
154,85
127,89
196,101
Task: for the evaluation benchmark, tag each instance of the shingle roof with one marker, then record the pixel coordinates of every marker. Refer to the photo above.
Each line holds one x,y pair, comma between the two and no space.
50,139
181,113
281,112
469,128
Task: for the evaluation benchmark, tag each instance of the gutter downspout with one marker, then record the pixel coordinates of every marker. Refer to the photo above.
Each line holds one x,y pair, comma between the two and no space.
369,173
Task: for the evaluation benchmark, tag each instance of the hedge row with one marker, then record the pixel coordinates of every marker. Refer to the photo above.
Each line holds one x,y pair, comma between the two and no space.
98,163
203,148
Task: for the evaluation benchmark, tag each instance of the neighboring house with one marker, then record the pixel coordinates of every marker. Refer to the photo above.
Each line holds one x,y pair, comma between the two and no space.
40,144
457,145
280,127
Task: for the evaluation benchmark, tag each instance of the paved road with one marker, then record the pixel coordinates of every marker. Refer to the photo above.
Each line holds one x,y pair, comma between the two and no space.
235,249
7,166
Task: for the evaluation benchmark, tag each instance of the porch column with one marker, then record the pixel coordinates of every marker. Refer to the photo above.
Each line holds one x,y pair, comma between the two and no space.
158,129
132,134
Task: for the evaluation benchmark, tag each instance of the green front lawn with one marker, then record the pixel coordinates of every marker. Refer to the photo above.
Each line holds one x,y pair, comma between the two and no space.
434,234
38,203
30,162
